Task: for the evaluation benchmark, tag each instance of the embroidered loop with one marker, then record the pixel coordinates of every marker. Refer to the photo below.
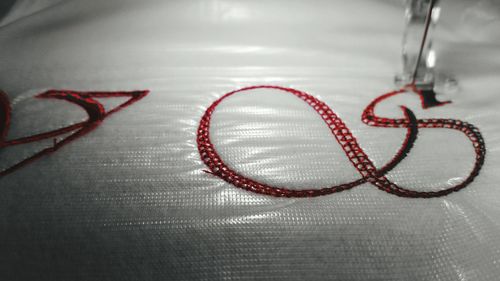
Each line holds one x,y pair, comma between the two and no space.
86,100
343,136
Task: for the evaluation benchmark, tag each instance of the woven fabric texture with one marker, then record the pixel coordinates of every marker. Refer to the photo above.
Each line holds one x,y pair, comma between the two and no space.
130,200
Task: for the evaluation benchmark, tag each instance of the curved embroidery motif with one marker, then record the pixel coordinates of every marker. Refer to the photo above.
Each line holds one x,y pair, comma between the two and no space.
86,100
358,158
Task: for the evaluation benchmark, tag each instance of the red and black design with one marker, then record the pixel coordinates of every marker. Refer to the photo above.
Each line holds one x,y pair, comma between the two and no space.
86,100
359,159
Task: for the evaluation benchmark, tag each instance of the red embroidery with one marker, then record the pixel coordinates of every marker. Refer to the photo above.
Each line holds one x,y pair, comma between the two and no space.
95,111
358,158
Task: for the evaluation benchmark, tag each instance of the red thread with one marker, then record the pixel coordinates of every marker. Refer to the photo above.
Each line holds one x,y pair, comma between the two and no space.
358,158
94,109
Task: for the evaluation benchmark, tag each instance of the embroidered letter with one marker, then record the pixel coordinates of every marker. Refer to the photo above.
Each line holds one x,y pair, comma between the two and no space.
343,136
86,100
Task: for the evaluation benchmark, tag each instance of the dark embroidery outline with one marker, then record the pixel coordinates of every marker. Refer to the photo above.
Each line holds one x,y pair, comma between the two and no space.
359,159
86,100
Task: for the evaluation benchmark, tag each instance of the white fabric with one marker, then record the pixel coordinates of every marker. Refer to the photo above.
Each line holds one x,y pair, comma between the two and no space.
130,200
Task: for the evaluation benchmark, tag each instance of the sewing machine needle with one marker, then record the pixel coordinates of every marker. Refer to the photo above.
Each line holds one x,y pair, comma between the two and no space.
428,19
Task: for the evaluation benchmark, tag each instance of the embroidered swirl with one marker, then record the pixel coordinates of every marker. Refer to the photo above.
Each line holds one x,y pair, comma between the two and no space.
359,159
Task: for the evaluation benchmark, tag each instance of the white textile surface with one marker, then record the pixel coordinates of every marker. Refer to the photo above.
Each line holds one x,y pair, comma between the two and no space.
130,200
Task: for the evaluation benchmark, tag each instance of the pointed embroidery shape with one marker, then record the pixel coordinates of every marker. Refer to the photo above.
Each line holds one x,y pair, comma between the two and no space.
85,100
